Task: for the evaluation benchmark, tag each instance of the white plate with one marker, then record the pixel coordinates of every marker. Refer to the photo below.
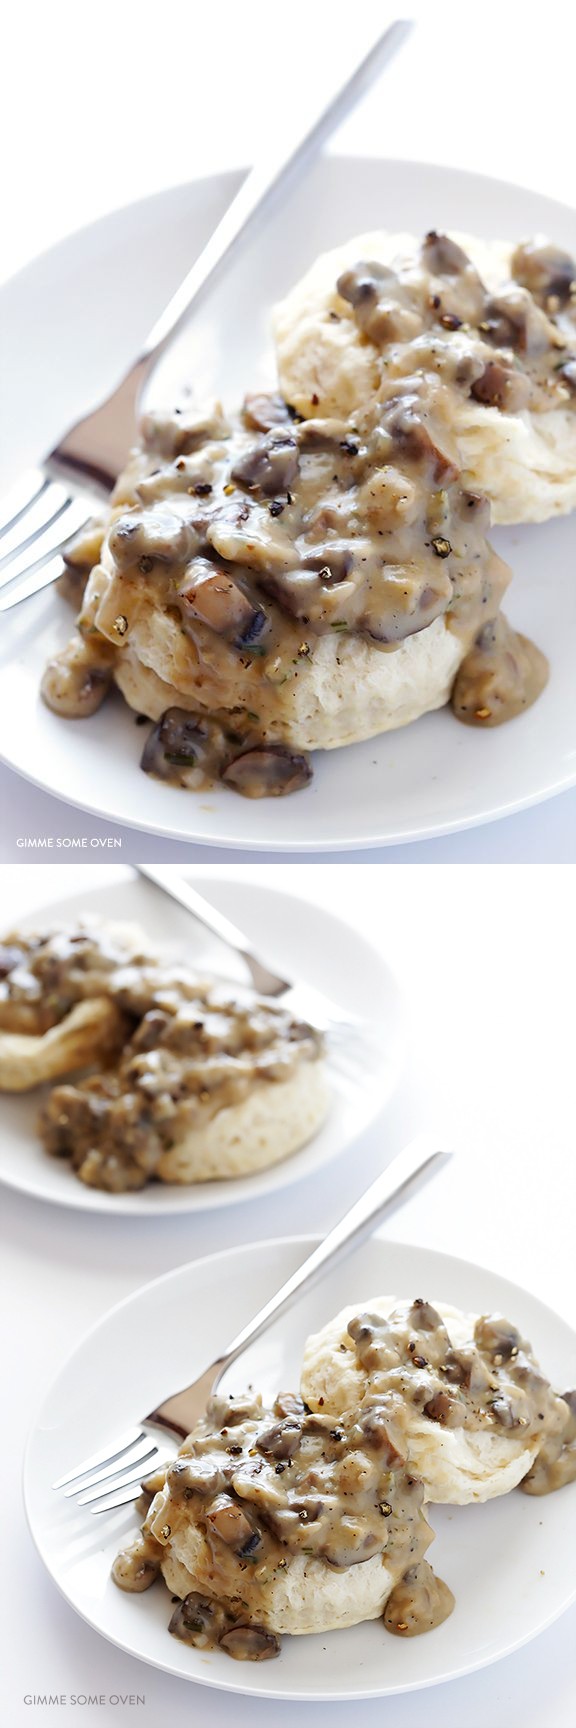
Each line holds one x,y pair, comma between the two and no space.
300,939
433,777
510,1562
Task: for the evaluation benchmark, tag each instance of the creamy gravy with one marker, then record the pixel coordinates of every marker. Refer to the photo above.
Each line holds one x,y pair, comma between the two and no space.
492,1383
264,1485
189,1049
259,535
261,1486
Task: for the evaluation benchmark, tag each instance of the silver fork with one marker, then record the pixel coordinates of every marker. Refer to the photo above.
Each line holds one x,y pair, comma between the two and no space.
354,1045
50,504
113,1476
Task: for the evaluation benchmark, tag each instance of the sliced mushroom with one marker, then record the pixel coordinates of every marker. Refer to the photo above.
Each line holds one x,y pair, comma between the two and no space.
269,771
404,422
76,682
270,466
502,386
423,1316
199,1620
213,597
182,430
289,1404
282,1440
250,1643
545,270
403,602
261,412
154,534
442,256
446,1410
512,320
183,744
495,1336
230,1523
381,303
136,1567
190,1475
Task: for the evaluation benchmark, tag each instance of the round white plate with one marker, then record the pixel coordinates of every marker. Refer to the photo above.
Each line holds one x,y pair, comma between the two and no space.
510,1562
435,776
303,942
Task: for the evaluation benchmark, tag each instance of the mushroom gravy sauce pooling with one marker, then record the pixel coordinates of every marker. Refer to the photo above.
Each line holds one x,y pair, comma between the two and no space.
250,539
263,1486
188,1049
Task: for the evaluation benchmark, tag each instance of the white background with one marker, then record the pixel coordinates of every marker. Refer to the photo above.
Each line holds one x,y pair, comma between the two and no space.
486,959
104,103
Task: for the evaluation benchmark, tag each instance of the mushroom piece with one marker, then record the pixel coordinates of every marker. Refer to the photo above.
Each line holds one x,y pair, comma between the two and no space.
289,1404
213,597
231,1524
375,1426
136,1567
190,1475
446,1410
501,386
545,270
424,1316
405,425
403,604
199,1620
184,741
442,256
381,304
181,430
512,320
495,1336
249,1643
261,412
271,466
269,771
149,535
282,1440
76,681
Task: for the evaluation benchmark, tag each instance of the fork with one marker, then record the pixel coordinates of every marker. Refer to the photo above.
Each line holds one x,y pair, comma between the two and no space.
113,1476
50,504
356,1046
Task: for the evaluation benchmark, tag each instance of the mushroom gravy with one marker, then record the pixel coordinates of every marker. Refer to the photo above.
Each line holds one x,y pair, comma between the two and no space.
189,1048
247,540
259,1487
493,1383
511,350
263,1486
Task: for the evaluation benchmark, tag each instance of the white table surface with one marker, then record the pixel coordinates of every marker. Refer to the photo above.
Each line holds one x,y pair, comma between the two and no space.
491,94
486,959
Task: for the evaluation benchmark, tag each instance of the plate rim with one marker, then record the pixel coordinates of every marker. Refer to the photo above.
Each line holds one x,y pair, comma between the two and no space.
181,1197
561,780
269,1244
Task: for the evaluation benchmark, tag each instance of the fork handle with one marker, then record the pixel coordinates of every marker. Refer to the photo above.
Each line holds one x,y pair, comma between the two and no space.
97,446
166,878
418,1159
266,178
